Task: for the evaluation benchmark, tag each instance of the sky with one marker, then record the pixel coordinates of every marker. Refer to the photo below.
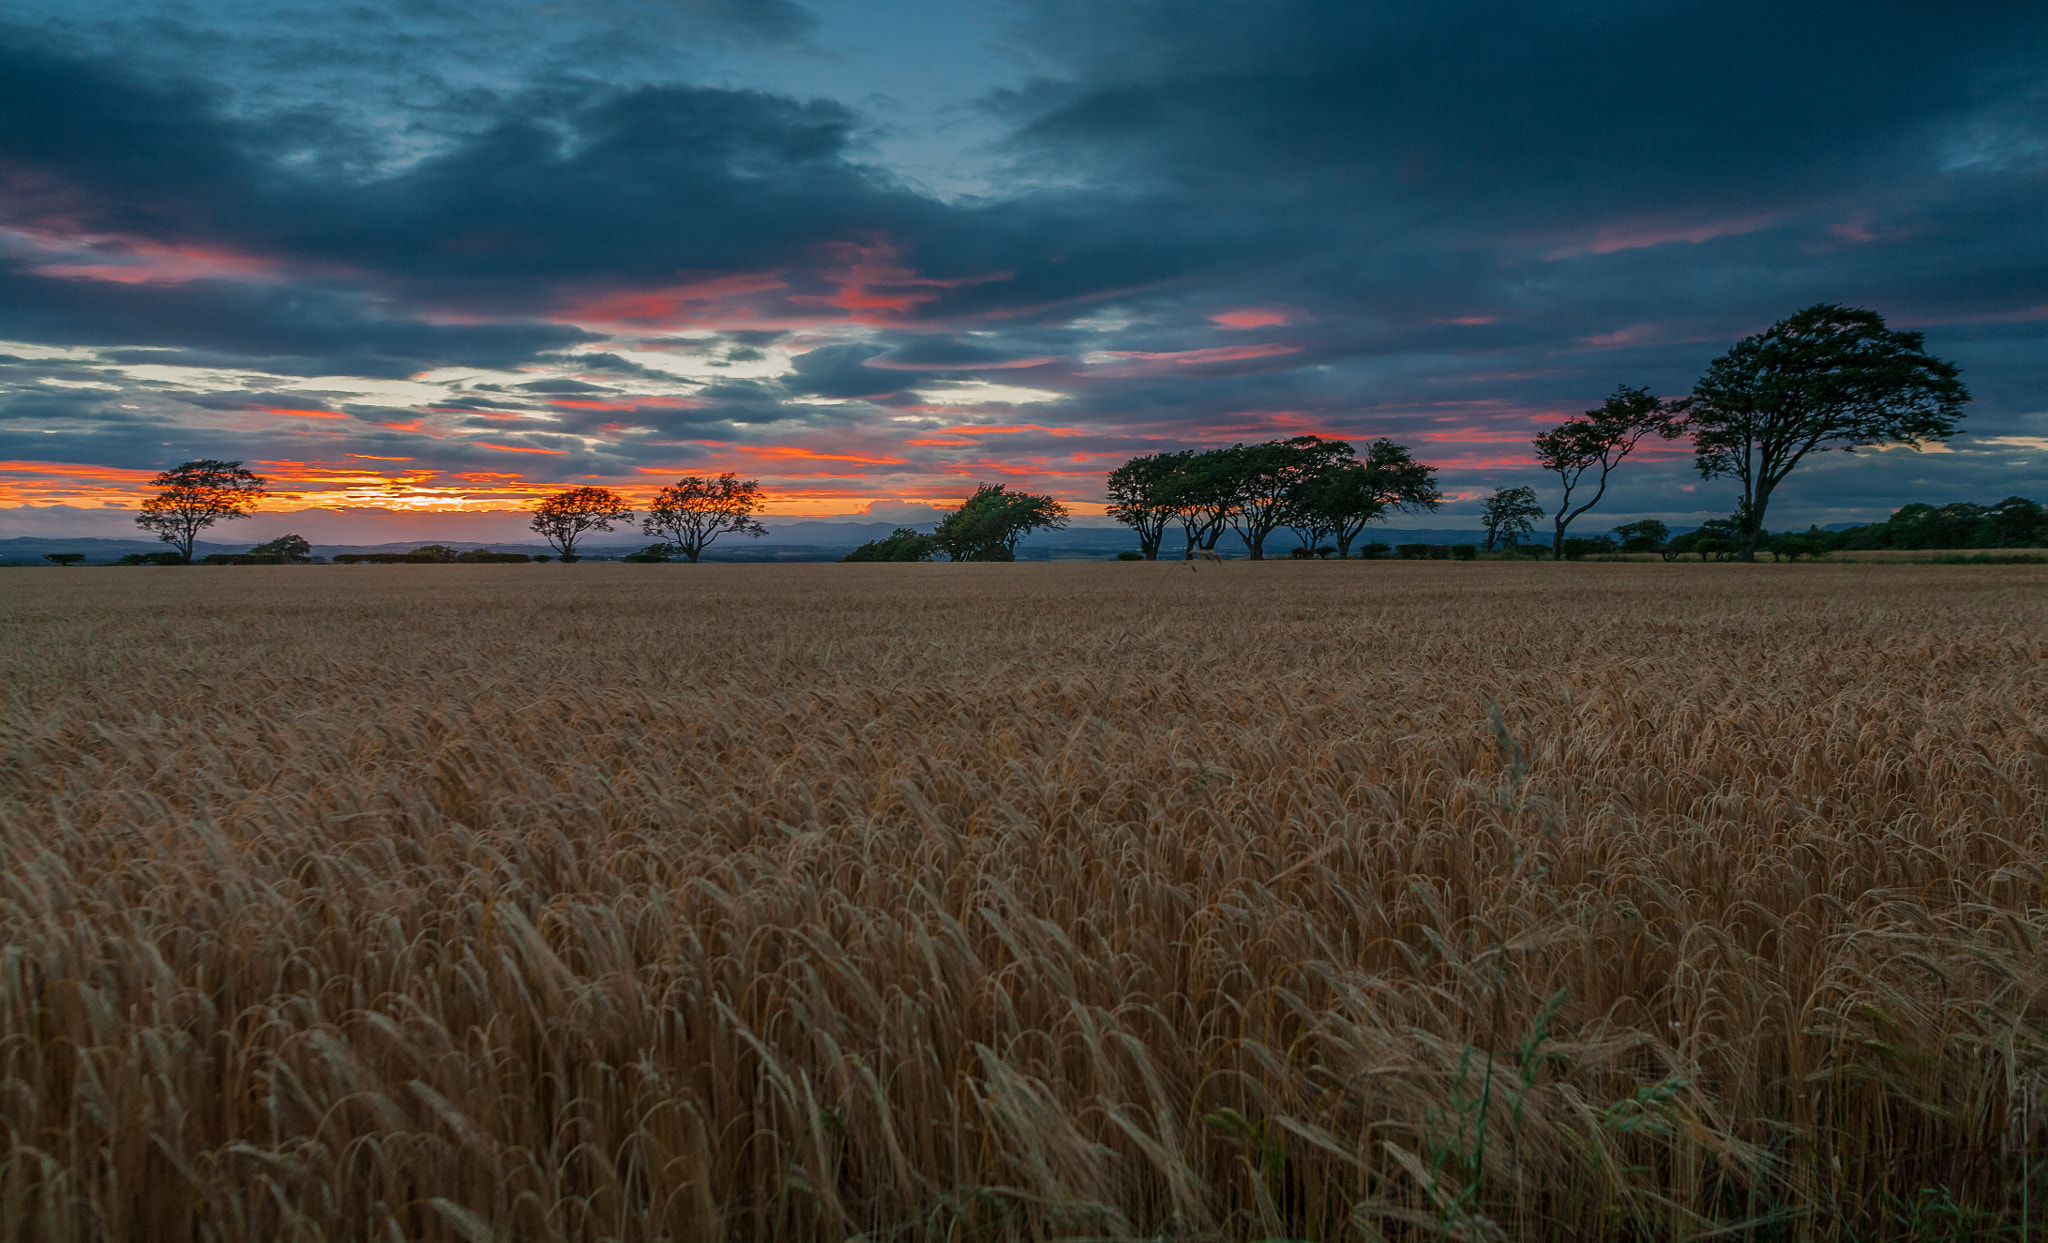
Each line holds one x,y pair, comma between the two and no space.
419,259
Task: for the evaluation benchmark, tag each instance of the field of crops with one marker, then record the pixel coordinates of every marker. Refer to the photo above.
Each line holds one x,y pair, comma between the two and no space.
1284,900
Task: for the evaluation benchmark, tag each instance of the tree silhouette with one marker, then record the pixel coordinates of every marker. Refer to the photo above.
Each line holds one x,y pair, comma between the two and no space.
694,511
194,496
1143,496
566,517
1827,377
1601,439
1508,515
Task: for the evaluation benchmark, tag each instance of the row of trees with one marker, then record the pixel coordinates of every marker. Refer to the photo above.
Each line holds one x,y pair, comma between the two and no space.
1317,488
1828,377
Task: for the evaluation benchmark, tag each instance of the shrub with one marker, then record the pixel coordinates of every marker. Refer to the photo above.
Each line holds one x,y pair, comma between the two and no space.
542,557
1374,551
1465,552
1128,555
902,544
1411,552
653,554
152,558
63,558
1439,552
242,558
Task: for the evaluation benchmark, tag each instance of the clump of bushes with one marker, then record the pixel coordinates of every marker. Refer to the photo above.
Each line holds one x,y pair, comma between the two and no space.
1375,551
152,558
1128,555
902,544
1465,552
432,554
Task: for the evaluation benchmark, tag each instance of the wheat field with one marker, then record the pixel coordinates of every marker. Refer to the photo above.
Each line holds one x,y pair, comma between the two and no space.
959,902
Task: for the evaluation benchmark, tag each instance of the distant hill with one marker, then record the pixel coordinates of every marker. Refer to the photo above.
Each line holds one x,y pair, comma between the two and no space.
785,541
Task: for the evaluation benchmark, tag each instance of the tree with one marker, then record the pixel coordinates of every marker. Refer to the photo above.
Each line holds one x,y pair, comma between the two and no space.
988,525
653,554
1270,478
64,558
694,511
1644,536
1509,514
1202,493
433,552
566,517
194,496
1141,496
1349,494
902,544
1601,438
1827,377
293,548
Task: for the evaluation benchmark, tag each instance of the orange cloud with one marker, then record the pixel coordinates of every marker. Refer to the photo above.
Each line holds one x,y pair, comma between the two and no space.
288,412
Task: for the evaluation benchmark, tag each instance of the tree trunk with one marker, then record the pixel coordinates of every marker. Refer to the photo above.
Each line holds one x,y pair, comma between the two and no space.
1258,547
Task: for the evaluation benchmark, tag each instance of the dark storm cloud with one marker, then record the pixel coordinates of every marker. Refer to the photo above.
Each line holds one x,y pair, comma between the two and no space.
842,371
1227,219
286,329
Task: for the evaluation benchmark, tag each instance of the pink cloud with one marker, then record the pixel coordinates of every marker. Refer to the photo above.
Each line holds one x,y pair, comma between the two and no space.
871,282
1252,317
1636,235
135,261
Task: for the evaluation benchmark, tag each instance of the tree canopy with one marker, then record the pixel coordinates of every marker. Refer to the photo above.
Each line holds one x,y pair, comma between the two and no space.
1141,496
566,517
293,548
988,524
902,544
1508,515
694,511
1598,440
1827,377
193,496
1346,494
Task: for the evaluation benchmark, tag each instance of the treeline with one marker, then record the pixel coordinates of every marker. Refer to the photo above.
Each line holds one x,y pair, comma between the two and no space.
1318,489
2014,522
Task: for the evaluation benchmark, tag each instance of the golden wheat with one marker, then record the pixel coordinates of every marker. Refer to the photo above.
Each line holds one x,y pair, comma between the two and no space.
958,902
